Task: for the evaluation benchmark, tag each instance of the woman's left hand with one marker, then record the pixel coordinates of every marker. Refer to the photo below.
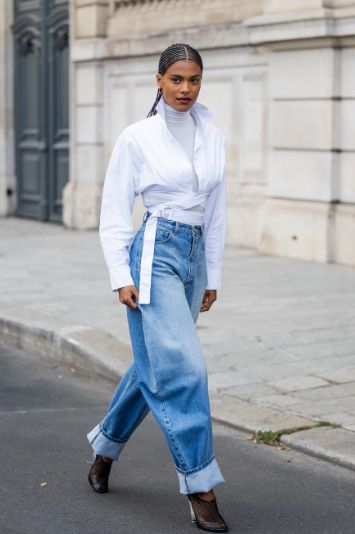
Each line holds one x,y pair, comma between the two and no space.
209,298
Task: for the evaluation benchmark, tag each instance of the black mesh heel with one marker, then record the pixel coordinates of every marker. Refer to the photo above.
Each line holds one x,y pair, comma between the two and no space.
99,474
205,514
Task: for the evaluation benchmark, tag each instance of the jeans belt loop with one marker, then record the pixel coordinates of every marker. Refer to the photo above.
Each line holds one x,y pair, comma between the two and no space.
168,213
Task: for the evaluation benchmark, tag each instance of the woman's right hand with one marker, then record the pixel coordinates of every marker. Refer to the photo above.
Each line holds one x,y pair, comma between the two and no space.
128,296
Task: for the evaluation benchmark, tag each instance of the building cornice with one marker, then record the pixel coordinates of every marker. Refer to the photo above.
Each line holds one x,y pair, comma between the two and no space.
270,30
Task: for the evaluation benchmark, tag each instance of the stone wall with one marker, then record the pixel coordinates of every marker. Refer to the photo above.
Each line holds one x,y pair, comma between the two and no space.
279,76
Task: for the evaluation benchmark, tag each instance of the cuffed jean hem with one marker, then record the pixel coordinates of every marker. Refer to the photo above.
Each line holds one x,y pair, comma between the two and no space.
104,446
200,481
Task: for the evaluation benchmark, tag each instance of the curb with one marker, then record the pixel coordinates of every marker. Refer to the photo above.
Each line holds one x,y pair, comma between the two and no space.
96,353
335,445
92,352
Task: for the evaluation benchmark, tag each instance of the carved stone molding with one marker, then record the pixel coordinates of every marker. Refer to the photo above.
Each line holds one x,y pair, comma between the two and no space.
125,3
154,16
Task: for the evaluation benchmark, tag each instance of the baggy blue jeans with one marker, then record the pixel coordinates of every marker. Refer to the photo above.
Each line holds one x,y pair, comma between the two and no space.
168,374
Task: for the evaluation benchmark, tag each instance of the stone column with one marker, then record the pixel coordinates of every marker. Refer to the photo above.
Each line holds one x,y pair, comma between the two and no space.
7,163
82,194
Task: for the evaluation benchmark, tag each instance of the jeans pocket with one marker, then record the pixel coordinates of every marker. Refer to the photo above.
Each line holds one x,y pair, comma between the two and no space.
162,236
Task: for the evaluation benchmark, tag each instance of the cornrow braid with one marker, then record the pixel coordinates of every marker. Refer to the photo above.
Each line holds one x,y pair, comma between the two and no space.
174,53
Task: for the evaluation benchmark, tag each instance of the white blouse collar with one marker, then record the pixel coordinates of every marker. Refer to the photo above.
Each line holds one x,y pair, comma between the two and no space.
198,111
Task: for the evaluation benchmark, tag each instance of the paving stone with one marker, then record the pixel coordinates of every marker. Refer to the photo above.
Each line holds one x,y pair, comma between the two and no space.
339,418
251,391
321,409
248,416
268,373
298,383
329,367
283,401
346,374
223,362
326,334
329,392
225,380
323,349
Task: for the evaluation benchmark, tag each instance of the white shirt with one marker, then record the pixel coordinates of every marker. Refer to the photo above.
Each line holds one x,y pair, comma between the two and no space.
148,160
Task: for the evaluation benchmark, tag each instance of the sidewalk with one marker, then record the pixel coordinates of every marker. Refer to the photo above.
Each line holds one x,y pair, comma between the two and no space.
279,343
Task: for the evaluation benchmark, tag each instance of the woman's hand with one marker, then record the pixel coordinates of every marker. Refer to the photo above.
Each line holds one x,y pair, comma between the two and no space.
128,296
209,298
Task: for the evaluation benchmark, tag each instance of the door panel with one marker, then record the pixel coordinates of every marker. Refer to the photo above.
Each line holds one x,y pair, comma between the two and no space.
59,104
41,106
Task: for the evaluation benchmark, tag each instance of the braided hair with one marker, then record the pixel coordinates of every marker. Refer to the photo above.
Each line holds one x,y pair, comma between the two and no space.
174,53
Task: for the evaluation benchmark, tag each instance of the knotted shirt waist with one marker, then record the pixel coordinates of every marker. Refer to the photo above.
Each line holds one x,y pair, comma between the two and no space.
186,216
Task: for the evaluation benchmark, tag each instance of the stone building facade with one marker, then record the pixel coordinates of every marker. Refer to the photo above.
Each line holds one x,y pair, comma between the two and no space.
280,78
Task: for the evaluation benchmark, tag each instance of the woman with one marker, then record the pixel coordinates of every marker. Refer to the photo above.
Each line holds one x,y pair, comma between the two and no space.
169,273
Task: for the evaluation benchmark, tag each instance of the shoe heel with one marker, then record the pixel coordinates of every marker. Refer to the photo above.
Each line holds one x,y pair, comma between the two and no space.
193,516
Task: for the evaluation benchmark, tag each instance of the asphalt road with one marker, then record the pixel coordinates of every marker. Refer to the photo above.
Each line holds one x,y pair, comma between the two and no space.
45,412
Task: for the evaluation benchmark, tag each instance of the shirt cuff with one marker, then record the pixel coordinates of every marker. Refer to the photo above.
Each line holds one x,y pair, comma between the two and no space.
213,277
120,277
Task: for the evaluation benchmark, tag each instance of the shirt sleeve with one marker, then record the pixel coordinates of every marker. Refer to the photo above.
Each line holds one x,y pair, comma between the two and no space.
215,234
116,225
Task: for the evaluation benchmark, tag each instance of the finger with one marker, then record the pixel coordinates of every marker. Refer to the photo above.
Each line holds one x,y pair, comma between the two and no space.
205,299
130,303
208,304
135,292
127,301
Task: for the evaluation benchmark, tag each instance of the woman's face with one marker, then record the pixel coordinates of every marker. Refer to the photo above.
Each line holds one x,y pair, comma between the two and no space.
181,84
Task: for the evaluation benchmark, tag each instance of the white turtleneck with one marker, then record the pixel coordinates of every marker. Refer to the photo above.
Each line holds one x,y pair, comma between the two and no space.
182,126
